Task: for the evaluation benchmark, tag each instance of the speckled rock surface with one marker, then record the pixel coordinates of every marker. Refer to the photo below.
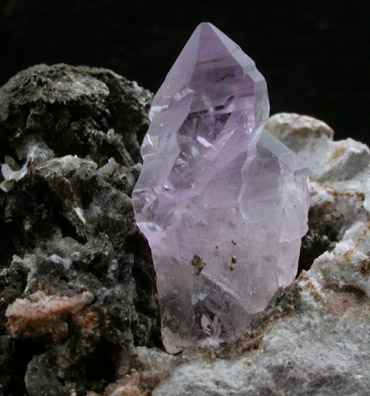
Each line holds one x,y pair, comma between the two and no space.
314,339
77,286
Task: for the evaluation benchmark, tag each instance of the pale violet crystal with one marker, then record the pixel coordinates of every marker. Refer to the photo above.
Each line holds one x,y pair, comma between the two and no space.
222,203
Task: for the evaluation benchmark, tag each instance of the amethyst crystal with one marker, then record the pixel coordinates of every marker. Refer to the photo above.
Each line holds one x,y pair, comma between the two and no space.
222,203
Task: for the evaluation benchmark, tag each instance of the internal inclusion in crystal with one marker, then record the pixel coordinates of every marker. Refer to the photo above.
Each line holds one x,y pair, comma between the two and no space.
222,203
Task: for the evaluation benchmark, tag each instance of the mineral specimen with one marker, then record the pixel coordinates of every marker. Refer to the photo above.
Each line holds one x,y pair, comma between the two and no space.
311,340
222,203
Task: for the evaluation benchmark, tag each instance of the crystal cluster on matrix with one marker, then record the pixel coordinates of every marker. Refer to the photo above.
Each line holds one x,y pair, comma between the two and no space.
222,203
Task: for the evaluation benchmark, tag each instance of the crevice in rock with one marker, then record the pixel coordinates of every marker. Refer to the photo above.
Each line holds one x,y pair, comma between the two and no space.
68,230
349,289
102,365
22,353
7,248
5,150
321,237
144,276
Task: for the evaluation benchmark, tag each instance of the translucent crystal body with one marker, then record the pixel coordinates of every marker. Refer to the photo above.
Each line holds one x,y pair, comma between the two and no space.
222,203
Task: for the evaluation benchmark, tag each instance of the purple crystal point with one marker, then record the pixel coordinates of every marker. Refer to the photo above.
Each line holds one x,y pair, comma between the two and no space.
222,203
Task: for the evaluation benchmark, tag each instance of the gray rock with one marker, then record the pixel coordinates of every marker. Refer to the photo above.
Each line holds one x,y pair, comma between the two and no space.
69,147
41,380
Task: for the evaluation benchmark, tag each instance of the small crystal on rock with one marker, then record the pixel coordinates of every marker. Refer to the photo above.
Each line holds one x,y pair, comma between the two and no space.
222,203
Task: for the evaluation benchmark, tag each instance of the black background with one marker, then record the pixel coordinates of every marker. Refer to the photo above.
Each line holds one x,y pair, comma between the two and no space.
313,54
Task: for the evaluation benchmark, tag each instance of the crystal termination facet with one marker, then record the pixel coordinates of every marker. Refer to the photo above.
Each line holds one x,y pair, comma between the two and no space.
222,203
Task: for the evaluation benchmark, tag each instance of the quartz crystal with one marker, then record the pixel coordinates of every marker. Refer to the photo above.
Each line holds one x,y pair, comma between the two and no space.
222,203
